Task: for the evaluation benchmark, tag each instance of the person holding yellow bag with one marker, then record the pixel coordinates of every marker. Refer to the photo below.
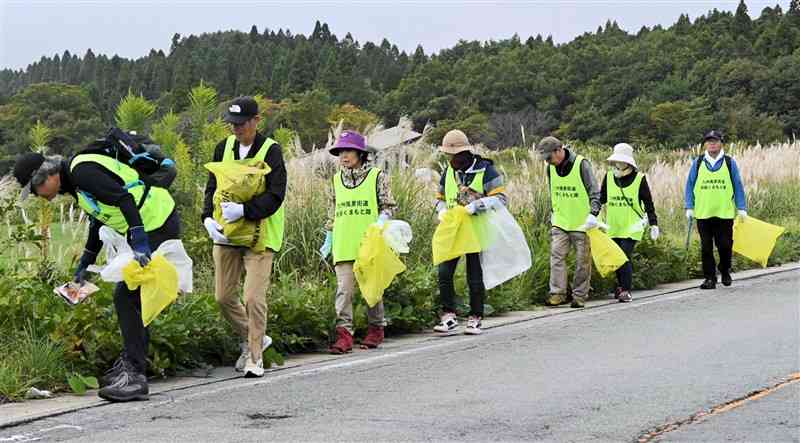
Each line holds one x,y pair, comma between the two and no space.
113,194
265,212
575,200
714,197
627,195
472,182
361,197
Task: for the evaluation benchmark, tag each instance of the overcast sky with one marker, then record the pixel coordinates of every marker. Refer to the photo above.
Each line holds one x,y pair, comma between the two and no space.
30,29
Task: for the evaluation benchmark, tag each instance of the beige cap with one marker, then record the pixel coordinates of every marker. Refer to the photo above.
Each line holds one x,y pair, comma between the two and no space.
454,142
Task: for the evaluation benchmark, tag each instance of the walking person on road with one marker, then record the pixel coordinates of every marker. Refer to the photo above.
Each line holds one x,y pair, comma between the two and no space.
714,196
361,196
249,320
629,211
575,200
473,182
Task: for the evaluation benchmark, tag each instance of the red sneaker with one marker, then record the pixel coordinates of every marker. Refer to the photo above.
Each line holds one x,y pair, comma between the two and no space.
374,337
344,341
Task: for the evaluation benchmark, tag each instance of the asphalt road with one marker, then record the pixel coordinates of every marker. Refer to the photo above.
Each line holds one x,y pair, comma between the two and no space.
645,370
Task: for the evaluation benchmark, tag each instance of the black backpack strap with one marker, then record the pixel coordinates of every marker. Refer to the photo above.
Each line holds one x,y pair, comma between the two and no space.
145,194
728,164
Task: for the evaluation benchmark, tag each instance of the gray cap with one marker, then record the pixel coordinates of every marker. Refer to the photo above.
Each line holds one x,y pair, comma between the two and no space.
548,145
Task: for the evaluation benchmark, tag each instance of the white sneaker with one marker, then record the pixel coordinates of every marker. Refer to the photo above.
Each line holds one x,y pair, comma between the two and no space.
473,326
266,342
254,369
447,324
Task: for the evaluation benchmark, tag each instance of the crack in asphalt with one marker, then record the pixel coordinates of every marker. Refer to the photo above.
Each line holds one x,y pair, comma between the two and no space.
705,414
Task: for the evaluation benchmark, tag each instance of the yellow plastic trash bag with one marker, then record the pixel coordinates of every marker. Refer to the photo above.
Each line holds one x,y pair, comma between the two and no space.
606,254
376,265
459,233
159,282
239,181
755,239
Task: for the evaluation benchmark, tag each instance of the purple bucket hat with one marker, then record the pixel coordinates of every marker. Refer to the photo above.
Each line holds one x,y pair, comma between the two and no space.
349,140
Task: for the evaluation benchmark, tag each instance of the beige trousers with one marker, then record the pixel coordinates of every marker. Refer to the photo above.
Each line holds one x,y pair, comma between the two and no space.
560,242
345,288
248,320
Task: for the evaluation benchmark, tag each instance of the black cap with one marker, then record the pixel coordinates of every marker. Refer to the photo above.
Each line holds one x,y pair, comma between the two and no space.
24,168
714,135
241,110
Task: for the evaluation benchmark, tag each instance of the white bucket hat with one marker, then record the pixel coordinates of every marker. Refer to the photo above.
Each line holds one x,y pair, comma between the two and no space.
623,152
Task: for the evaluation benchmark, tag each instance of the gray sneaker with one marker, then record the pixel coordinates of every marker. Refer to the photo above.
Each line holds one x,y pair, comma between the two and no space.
624,297
128,386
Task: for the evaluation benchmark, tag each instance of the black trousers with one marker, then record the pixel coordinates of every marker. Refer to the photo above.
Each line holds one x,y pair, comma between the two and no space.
477,291
128,304
719,232
625,272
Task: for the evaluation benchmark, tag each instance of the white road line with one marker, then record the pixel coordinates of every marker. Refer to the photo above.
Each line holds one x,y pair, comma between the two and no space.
38,435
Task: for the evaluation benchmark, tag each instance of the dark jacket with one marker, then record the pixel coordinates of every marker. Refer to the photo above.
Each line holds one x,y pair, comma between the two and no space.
262,205
106,187
644,194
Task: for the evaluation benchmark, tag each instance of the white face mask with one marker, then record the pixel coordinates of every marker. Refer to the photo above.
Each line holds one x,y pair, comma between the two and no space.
622,169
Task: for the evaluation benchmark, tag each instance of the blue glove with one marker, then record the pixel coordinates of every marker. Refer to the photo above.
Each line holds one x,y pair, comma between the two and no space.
326,248
382,219
88,258
140,245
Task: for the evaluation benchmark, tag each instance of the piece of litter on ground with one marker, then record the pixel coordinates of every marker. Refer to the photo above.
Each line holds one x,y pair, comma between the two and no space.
36,394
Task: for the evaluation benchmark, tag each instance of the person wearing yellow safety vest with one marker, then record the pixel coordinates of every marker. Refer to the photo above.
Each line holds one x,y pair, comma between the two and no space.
113,195
714,196
471,181
249,321
575,201
361,196
627,195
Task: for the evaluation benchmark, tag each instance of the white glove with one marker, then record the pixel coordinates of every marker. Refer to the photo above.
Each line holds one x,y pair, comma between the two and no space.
232,211
214,230
382,219
472,208
742,214
440,215
483,204
654,233
690,213
591,222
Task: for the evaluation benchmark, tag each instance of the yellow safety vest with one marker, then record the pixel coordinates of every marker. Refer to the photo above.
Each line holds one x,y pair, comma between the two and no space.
356,209
154,211
713,193
569,198
623,221
274,224
451,188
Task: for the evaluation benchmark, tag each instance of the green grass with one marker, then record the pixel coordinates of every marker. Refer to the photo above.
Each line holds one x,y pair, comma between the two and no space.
46,339
30,359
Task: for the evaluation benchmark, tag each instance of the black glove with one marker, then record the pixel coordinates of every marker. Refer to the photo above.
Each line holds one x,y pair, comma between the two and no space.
87,259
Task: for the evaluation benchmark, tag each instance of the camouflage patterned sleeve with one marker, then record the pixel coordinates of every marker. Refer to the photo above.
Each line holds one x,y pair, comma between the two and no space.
386,202
331,197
